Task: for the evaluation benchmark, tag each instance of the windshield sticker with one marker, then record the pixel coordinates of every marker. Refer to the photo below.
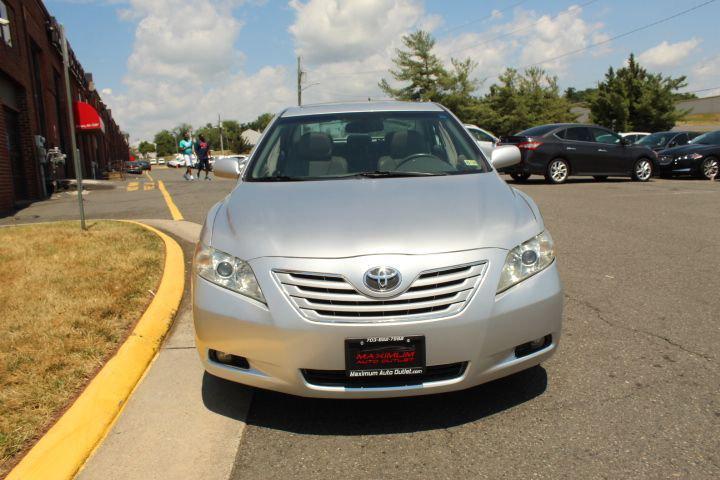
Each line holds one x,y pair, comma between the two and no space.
471,162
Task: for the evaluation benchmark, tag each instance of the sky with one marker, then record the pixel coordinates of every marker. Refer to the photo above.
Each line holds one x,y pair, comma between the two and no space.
158,63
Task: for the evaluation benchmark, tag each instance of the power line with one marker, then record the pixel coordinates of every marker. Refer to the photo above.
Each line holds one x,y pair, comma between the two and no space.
624,34
484,42
512,32
482,19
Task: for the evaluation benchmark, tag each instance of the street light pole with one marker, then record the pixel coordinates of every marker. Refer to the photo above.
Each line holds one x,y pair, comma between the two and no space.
71,121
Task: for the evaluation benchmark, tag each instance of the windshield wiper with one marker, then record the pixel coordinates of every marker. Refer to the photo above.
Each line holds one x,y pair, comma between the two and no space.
389,174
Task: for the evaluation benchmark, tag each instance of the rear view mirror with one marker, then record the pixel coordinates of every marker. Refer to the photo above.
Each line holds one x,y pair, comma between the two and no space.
227,168
505,156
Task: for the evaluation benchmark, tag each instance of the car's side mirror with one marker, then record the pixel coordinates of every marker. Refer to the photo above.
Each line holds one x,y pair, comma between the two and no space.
625,142
672,144
227,168
505,156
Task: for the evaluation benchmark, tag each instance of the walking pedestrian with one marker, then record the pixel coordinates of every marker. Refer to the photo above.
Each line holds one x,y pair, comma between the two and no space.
202,150
186,147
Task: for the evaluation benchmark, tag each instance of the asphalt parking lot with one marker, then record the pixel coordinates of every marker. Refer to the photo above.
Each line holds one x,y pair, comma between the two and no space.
632,392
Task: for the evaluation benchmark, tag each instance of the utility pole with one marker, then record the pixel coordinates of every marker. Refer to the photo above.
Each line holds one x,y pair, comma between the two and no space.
220,129
71,122
299,82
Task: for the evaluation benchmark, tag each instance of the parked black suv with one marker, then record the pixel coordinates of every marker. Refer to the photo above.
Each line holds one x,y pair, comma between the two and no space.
563,149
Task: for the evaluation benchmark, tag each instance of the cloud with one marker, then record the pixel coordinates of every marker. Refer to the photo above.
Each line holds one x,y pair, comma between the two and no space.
184,67
327,31
106,91
548,36
668,54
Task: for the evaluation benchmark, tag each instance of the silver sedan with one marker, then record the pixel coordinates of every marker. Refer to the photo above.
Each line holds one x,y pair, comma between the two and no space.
371,250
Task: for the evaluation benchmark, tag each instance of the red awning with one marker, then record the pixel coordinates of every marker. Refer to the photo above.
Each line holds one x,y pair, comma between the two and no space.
87,118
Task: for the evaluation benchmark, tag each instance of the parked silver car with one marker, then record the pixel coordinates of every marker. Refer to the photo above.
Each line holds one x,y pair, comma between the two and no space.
371,250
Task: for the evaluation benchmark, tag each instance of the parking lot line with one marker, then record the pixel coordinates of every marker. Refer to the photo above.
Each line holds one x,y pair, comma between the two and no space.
132,186
149,176
174,211
148,186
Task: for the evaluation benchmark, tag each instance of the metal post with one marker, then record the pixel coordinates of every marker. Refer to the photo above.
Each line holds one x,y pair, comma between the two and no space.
71,121
299,82
221,138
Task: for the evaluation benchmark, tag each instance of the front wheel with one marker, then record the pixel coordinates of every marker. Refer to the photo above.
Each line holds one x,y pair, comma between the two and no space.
558,171
710,168
520,177
643,170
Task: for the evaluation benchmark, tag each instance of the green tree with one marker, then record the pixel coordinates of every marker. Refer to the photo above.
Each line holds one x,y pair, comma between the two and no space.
580,96
522,100
631,98
232,132
259,123
165,143
146,147
419,66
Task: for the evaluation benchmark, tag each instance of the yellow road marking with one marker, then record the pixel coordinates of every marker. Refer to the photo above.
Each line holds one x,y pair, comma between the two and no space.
132,186
148,186
149,176
176,215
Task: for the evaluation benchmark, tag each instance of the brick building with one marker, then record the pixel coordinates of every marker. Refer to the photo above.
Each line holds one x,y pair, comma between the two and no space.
33,103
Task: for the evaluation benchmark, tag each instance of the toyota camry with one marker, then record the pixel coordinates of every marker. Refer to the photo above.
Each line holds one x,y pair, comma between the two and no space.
371,250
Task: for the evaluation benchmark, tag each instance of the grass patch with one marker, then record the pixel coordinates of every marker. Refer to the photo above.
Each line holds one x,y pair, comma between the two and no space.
68,300
700,119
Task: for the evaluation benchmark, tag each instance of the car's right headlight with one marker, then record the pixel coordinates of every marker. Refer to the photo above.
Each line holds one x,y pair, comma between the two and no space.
526,260
227,271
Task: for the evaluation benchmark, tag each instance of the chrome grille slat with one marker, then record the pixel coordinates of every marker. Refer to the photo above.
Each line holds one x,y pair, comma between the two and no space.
328,297
382,307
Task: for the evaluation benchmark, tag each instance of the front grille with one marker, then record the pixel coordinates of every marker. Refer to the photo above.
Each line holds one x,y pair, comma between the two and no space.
338,378
331,298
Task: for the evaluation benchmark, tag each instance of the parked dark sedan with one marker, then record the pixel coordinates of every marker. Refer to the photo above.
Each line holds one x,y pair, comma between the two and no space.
700,157
662,140
133,167
560,150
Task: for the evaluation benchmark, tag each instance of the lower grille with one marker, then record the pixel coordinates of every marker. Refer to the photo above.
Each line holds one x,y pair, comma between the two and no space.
337,378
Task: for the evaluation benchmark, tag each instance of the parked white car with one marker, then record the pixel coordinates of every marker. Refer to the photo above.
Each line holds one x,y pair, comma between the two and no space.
633,137
486,140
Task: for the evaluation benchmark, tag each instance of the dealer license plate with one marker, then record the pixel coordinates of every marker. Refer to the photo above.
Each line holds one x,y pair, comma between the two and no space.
385,356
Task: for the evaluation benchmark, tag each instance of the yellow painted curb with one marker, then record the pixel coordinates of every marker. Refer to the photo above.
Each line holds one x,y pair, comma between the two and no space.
61,452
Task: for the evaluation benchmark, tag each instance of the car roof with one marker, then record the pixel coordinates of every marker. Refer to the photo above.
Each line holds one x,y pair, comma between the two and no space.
353,107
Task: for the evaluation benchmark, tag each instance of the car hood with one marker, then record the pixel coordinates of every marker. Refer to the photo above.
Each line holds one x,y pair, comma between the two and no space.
689,148
352,217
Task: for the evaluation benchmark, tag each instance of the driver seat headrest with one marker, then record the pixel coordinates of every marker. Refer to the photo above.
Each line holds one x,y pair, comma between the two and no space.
315,146
406,143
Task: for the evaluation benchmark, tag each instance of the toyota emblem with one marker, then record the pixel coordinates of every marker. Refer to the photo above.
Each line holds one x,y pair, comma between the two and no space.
382,279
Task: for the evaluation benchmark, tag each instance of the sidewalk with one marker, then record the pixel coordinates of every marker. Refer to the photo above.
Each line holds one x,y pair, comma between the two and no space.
179,422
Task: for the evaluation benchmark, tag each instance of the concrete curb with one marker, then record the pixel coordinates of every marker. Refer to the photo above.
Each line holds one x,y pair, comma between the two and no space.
61,452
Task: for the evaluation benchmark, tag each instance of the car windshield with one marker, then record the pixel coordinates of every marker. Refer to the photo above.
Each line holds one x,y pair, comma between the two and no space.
365,144
656,139
710,138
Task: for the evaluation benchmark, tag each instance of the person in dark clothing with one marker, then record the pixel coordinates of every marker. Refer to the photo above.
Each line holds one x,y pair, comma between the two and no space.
202,150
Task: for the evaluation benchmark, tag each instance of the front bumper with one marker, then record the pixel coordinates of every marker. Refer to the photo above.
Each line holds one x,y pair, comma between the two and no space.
279,343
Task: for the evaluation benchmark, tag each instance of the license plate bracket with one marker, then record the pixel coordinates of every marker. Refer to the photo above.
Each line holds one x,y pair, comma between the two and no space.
383,357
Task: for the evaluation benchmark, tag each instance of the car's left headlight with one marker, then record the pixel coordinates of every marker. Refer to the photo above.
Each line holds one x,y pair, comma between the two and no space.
526,260
227,271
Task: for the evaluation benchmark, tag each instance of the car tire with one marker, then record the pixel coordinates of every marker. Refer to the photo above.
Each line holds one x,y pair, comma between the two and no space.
600,178
520,177
558,171
708,167
642,170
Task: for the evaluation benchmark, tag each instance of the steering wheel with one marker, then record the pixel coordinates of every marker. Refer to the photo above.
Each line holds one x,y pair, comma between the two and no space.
414,156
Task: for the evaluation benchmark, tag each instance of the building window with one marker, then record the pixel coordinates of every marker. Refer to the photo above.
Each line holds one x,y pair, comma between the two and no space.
5,35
